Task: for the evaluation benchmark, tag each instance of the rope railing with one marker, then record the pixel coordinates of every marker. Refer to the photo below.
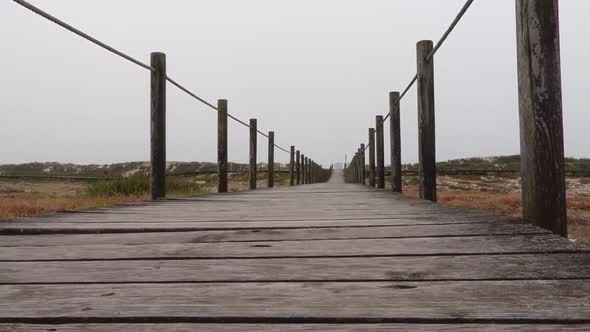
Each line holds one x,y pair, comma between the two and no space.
303,170
131,59
542,163
438,45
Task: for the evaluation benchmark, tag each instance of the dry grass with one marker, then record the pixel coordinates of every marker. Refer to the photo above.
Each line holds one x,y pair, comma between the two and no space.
31,204
510,204
19,198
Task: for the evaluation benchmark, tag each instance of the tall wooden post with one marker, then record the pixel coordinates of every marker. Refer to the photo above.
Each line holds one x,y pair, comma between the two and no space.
298,167
363,165
372,157
540,109
253,152
292,166
380,152
426,137
158,126
222,146
395,142
271,159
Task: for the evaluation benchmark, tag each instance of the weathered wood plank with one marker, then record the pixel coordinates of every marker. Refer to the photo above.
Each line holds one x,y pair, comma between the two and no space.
376,302
270,234
320,248
293,327
426,268
130,227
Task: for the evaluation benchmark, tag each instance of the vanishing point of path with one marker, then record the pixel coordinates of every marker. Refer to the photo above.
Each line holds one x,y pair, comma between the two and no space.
332,256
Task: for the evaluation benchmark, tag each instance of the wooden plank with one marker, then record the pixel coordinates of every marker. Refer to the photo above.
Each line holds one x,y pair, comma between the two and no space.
294,327
426,268
374,302
130,227
319,248
270,234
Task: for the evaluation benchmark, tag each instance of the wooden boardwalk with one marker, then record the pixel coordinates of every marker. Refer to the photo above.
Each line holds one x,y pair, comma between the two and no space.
333,256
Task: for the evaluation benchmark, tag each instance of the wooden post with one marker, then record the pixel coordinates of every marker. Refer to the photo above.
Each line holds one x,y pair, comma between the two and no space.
309,167
395,142
360,166
158,126
426,137
363,165
271,159
540,109
380,152
222,146
310,171
253,144
307,160
298,167
372,157
303,159
292,166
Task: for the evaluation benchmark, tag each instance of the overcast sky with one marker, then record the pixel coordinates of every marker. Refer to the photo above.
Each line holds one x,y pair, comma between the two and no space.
315,71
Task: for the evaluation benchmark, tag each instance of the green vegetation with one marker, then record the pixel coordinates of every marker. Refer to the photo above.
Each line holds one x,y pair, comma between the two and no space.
139,185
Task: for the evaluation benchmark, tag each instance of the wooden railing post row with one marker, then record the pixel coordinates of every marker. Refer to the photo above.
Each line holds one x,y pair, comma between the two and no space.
372,157
253,153
380,152
298,167
222,146
363,165
541,119
271,159
395,142
292,166
426,129
158,126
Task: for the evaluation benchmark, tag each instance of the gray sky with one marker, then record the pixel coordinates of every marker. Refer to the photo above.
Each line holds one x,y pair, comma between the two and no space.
315,71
